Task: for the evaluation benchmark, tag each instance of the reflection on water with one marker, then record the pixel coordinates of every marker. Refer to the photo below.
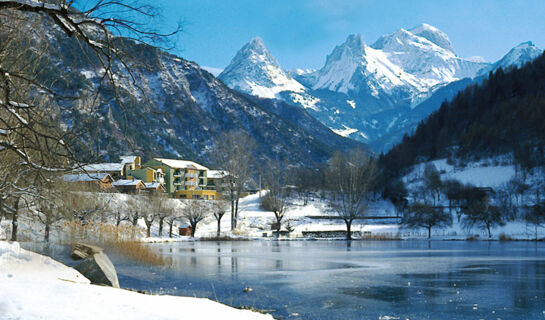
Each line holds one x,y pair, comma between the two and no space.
354,280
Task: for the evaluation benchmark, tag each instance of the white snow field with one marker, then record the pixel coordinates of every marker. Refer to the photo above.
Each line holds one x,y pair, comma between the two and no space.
33,286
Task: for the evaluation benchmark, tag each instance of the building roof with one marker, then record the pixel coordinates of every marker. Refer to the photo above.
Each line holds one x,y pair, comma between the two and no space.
103,167
152,185
217,174
128,159
181,164
83,177
128,183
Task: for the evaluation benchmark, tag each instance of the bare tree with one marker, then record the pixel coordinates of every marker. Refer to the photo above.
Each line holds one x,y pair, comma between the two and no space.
479,212
425,215
351,180
194,212
173,216
134,208
277,196
30,135
160,204
234,153
219,209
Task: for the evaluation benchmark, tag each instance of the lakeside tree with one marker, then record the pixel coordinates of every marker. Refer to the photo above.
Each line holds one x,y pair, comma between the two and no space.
173,216
234,156
134,209
194,212
428,216
277,196
535,216
351,178
479,212
219,209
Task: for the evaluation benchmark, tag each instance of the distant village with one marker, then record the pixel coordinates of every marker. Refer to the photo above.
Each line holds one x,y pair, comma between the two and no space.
181,179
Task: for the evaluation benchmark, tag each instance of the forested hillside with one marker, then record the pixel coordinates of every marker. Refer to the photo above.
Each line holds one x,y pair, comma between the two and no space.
503,115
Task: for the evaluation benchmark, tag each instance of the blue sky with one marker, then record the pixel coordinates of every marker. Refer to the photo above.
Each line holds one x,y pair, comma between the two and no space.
300,33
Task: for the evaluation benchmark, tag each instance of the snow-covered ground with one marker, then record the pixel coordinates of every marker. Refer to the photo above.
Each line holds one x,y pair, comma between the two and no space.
36,287
481,174
494,173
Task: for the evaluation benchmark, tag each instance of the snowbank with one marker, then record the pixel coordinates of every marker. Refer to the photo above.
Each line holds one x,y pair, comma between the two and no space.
37,287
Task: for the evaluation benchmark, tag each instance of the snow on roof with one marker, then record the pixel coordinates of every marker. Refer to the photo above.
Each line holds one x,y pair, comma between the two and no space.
85,177
103,167
217,174
126,183
128,159
181,164
152,185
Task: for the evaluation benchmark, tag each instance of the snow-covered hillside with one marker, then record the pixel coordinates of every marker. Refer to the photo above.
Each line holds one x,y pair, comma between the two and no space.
37,287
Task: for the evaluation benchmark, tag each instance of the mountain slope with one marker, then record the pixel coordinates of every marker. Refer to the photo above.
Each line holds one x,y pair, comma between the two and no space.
503,115
361,91
178,110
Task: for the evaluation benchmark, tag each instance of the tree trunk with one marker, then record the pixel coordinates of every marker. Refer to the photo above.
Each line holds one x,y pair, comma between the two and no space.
148,229
134,220
233,223
489,233
161,226
14,222
193,229
236,210
118,219
278,224
170,230
348,229
429,232
219,228
46,236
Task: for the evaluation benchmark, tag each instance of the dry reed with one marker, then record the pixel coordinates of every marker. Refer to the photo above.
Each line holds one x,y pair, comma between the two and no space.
123,240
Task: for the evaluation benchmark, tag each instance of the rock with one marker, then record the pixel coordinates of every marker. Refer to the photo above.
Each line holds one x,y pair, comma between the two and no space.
99,270
83,251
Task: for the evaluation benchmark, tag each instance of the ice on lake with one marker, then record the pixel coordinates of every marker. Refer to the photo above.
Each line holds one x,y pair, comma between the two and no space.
355,280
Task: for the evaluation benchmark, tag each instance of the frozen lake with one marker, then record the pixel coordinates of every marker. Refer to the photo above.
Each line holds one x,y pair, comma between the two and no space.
358,280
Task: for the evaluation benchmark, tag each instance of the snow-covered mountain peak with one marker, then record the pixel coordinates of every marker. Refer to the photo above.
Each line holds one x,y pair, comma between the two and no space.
426,53
354,66
355,42
519,55
434,35
255,71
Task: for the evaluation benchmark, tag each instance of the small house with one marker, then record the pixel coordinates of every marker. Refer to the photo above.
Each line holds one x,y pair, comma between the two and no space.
92,181
154,187
184,230
129,186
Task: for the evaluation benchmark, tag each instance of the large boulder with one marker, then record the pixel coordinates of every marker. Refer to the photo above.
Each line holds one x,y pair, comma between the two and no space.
96,266
82,251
